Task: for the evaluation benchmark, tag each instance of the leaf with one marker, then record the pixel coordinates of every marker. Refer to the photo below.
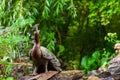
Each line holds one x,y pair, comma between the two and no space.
57,10
56,3
84,62
91,61
43,14
61,49
35,10
96,55
103,60
69,7
48,4
9,78
8,68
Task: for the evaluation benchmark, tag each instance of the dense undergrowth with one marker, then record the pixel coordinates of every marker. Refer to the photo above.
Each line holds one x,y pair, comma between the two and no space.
81,34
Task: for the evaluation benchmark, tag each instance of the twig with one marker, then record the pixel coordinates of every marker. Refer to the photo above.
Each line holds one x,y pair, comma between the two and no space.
24,64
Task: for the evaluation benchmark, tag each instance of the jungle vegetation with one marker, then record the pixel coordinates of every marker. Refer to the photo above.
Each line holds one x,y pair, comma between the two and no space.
81,33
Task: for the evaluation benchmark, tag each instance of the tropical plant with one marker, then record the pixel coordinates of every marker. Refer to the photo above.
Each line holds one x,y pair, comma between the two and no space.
71,29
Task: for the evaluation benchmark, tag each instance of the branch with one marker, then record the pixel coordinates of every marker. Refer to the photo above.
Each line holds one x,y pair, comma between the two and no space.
24,64
54,75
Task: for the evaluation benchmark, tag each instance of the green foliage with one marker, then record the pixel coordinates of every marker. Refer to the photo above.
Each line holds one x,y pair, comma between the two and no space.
61,50
93,62
10,78
7,62
72,29
102,11
100,58
11,35
111,38
51,40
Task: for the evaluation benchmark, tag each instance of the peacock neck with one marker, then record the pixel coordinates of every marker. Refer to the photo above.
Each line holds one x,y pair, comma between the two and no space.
37,41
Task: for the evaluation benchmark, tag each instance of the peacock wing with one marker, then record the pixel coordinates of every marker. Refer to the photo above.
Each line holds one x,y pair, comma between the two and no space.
46,53
50,56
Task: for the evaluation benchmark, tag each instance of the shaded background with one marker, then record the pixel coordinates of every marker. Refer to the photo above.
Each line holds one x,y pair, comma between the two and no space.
81,33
